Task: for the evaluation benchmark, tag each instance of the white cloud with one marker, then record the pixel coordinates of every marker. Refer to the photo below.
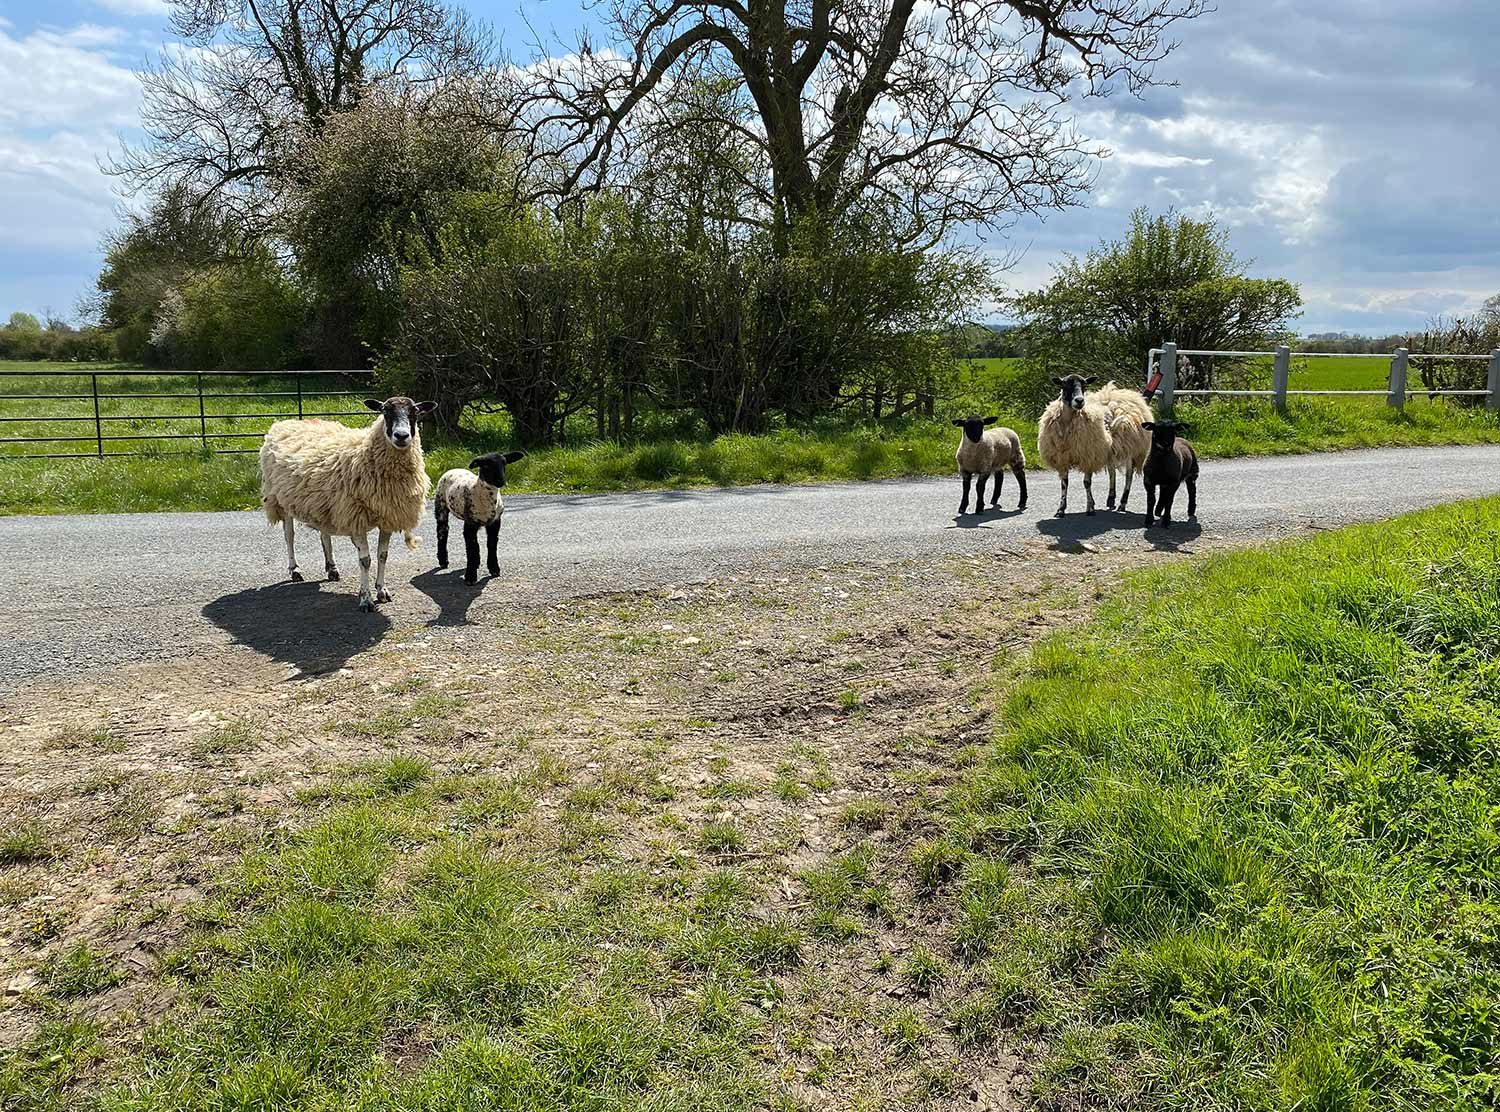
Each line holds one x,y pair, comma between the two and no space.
52,79
135,7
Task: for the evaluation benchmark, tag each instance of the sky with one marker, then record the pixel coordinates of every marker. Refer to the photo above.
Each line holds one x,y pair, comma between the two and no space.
1352,146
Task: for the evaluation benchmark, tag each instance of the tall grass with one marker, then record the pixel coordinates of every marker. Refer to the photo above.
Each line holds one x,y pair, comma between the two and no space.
1253,818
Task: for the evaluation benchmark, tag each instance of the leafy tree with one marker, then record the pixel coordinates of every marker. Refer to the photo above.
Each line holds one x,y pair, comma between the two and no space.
1490,310
1171,278
23,322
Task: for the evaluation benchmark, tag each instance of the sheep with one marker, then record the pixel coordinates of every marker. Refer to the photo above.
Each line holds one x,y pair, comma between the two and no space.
475,500
1074,433
348,481
986,453
1171,462
1128,413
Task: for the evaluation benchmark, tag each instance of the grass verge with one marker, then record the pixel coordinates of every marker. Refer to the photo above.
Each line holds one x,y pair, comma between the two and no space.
1250,819
672,455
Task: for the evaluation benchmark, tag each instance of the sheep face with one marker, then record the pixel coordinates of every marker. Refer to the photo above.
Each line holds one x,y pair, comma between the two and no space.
974,426
1072,390
491,467
401,416
1163,433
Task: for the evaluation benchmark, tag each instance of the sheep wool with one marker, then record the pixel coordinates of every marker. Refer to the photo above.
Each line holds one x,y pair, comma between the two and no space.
1069,439
341,480
1128,411
997,449
468,497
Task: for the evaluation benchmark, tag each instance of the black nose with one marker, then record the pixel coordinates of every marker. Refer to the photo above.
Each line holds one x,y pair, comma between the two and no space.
402,437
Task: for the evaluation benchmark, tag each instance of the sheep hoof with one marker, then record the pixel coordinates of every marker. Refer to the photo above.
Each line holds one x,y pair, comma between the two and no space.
367,604
1089,512
442,563
382,595
471,578
494,570
333,575
1021,505
296,576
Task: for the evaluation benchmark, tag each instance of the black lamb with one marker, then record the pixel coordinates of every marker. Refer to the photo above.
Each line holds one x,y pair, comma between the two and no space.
1170,463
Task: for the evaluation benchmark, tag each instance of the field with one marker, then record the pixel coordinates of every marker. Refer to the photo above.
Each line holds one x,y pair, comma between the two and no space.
667,453
1199,836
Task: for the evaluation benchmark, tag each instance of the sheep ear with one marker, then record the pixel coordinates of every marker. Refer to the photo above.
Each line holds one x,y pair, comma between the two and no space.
371,403
513,457
1057,380
426,407
990,420
1183,428
1090,380
475,462
1148,424
959,421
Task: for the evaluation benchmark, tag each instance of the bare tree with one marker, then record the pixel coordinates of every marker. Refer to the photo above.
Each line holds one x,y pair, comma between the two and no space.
948,112
221,113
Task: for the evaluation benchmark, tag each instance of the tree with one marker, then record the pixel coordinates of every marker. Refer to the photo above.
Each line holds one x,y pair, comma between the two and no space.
24,322
945,113
1171,278
1490,310
222,118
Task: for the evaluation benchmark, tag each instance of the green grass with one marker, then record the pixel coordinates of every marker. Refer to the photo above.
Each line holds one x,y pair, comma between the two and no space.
1252,816
670,452
383,959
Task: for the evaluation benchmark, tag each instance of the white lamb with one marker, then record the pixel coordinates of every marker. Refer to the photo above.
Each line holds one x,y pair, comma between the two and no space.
348,481
1074,433
475,500
1128,412
985,452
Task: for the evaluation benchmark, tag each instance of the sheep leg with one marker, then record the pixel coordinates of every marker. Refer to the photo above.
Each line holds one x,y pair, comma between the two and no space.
491,536
1168,495
1150,499
381,594
362,543
1129,474
1020,473
1110,503
1088,489
1192,485
440,514
471,552
963,505
291,550
333,572
999,482
1062,507
979,502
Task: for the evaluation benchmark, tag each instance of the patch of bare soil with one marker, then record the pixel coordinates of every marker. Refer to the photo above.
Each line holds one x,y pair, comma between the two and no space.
811,716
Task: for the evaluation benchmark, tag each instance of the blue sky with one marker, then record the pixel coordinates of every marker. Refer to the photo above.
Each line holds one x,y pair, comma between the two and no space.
1352,146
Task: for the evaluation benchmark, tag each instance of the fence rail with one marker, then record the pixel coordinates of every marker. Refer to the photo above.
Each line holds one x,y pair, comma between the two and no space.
1164,360
204,413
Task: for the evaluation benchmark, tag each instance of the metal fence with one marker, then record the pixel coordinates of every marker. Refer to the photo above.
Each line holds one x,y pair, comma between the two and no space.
98,415
1396,392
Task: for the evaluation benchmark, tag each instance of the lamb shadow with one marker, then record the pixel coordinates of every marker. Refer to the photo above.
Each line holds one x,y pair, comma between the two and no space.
982,519
299,623
446,588
1170,540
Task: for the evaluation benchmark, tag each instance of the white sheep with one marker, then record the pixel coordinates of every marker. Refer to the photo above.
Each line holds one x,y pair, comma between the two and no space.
985,452
348,481
475,500
1074,433
1131,443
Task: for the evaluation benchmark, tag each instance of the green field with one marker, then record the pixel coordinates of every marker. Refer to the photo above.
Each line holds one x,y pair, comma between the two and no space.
668,453
1252,824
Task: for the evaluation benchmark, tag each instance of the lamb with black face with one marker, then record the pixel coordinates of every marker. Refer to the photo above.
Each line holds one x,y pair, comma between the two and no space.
475,500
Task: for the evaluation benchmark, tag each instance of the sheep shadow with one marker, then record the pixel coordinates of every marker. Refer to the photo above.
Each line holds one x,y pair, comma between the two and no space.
982,519
299,623
452,596
1078,526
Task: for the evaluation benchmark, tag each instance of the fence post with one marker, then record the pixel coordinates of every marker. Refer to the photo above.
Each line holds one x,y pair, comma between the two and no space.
98,425
1397,392
202,421
1168,368
1279,376
298,378
1493,401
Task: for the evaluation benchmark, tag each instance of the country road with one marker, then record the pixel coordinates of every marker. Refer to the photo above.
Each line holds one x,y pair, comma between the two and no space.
92,592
